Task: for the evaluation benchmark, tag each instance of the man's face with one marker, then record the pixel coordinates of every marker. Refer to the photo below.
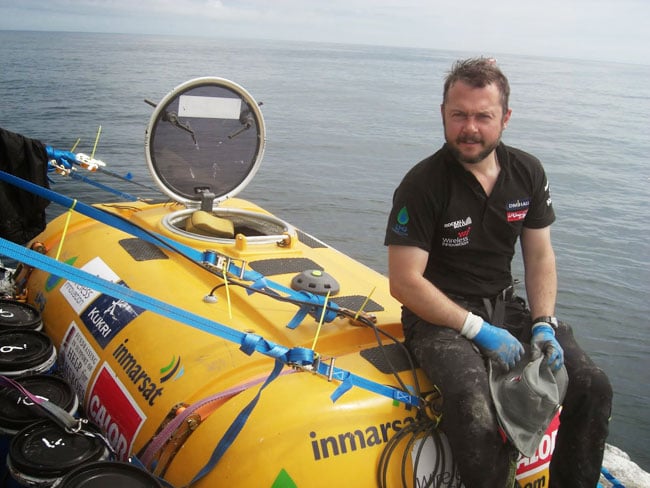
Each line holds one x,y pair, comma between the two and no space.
473,119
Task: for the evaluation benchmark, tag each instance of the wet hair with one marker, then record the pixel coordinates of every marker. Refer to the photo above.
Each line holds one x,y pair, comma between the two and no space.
478,73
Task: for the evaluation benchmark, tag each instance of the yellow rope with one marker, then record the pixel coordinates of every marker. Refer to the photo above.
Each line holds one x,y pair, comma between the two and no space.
225,280
99,131
365,302
75,145
65,228
320,322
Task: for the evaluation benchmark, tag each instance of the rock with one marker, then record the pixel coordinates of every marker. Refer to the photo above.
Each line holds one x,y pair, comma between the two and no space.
623,469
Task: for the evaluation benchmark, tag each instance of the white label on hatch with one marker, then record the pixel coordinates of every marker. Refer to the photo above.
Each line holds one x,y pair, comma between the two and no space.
209,107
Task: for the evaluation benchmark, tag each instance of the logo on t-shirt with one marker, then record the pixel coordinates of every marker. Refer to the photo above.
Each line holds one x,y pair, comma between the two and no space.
460,230
516,210
400,228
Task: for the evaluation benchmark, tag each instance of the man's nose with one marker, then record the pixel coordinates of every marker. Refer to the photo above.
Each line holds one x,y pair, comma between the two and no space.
469,125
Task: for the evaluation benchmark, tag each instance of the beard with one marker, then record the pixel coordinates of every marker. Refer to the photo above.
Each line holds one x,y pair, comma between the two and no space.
487,148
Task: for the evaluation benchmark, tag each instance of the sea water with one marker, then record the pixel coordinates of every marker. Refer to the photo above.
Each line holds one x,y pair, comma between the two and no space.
344,123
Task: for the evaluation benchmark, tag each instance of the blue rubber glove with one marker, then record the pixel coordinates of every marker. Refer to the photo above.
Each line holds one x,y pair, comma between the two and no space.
544,340
496,343
64,159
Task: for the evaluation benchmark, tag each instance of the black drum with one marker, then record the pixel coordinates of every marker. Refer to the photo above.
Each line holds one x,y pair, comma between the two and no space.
17,315
41,454
109,474
25,352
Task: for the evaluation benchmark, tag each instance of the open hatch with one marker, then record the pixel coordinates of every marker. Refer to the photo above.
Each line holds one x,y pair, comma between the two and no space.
203,145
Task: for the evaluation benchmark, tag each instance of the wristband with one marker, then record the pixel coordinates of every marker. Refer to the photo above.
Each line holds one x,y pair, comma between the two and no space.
471,326
547,319
546,325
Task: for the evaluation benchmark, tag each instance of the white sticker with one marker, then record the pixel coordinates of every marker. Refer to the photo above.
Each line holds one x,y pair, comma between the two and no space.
79,296
77,360
209,107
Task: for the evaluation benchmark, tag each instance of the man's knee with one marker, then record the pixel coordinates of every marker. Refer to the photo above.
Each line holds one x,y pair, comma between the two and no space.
589,396
601,387
601,393
471,412
593,382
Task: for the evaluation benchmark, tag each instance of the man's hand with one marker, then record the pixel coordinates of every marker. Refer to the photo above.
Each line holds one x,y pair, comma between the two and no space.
494,342
544,340
59,160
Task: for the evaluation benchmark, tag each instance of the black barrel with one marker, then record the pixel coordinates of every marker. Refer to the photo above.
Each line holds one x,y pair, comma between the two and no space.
109,474
25,352
17,411
41,454
17,315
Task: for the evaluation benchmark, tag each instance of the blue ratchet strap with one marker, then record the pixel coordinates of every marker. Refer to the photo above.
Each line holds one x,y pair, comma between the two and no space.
126,196
97,214
297,356
210,257
248,342
251,342
258,284
348,380
610,477
50,265
308,303
312,304
236,427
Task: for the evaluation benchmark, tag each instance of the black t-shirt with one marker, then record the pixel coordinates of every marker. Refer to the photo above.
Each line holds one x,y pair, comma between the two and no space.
442,208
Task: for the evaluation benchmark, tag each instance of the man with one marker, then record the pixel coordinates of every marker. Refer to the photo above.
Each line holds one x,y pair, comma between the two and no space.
22,214
451,237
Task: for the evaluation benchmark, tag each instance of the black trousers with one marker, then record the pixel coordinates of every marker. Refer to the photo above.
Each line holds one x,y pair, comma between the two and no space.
469,420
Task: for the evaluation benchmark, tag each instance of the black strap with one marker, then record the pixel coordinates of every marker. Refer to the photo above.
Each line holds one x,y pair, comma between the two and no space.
496,313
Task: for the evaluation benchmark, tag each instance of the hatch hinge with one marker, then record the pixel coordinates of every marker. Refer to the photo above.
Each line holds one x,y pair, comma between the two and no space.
207,198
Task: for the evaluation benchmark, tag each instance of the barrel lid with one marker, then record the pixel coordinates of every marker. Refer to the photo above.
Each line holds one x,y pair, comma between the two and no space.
205,141
15,314
109,474
45,450
18,411
23,349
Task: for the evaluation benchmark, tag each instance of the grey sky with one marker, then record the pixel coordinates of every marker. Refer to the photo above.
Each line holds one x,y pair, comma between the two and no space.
614,30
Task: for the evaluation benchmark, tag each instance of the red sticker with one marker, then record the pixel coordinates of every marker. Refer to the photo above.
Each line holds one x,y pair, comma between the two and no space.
113,409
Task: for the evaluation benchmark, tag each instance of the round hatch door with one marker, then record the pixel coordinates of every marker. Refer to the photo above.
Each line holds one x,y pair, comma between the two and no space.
205,141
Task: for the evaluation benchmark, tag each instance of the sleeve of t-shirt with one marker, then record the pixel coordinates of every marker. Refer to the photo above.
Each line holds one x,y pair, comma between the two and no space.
411,221
540,213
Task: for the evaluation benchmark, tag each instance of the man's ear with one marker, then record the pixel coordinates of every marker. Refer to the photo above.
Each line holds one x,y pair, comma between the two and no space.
506,118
